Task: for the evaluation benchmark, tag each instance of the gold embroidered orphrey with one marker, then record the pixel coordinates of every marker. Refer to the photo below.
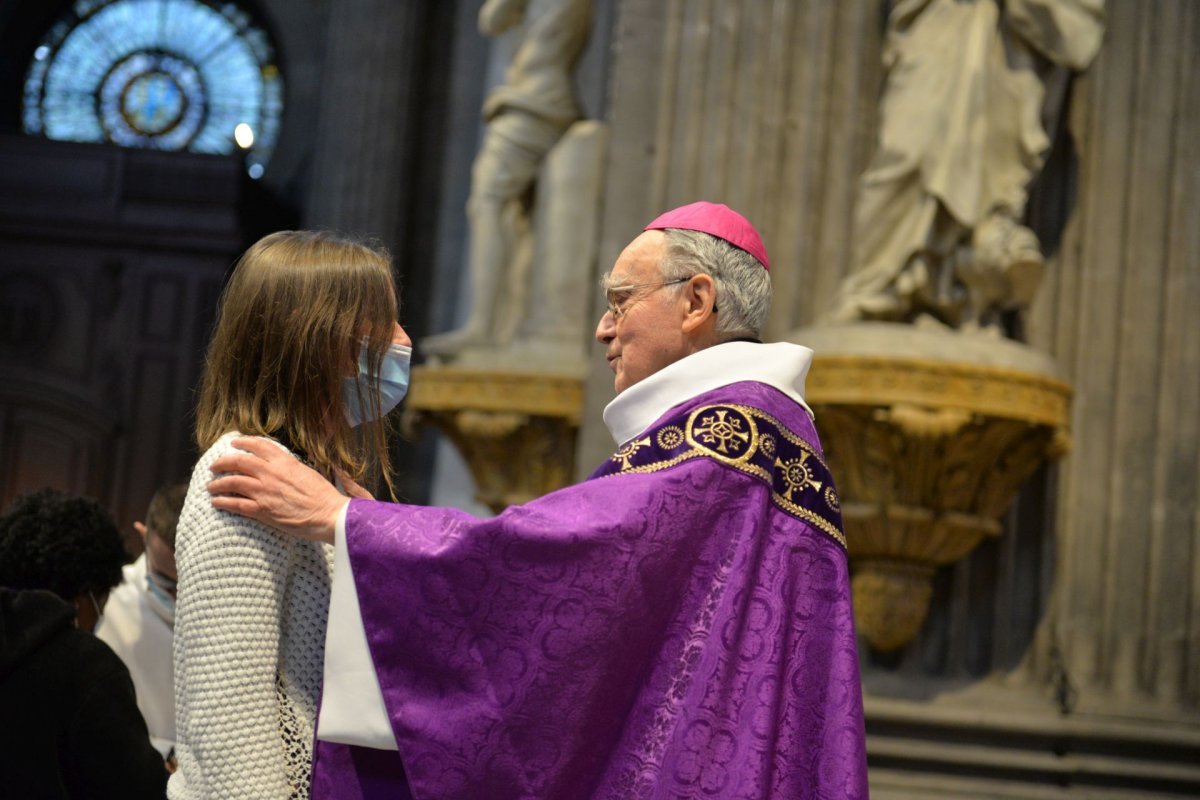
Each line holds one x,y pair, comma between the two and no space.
766,443
629,451
731,435
670,437
797,475
832,499
726,430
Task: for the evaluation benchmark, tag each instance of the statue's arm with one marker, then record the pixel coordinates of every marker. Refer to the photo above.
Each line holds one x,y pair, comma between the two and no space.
1067,32
497,16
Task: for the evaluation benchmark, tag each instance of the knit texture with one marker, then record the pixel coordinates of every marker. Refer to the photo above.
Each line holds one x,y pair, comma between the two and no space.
249,645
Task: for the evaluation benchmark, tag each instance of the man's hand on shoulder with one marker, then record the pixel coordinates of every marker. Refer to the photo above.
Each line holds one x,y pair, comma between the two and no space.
267,484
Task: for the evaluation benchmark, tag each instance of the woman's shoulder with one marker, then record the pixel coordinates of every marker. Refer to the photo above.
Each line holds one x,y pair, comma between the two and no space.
199,520
224,446
197,500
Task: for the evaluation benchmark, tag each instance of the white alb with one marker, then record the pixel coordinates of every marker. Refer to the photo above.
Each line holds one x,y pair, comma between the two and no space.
133,627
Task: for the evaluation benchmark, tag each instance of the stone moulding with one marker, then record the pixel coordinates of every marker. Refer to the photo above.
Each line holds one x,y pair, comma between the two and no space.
994,742
938,387
515,430
928,452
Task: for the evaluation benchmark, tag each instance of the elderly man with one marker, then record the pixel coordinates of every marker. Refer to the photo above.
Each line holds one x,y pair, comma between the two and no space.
678,625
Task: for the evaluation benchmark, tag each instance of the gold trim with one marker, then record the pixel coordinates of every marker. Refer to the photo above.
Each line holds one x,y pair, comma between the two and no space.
722,431
628,451
810,516
741,462
833,501
670,437
766,443
796,483
787,434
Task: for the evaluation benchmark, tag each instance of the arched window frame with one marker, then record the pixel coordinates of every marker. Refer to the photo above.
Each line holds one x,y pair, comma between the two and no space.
161,74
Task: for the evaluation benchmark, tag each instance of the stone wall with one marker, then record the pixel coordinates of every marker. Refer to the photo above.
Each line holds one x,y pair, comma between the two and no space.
1083,620
767,105
1119,314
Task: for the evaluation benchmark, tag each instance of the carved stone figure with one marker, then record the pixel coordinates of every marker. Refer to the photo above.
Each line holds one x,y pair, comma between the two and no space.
526,117
970,88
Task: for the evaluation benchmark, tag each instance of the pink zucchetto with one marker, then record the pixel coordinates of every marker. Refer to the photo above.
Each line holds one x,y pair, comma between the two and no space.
717,220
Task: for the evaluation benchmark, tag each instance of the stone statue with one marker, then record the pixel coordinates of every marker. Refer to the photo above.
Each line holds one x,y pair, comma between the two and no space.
970,88
526,117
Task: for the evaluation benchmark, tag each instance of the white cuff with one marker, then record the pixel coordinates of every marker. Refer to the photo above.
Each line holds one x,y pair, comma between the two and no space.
352,709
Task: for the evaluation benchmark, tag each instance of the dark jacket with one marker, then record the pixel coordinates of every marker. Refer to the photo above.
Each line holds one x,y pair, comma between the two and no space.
69,722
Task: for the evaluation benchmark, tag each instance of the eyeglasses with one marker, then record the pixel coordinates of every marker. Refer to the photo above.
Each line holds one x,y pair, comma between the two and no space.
617,296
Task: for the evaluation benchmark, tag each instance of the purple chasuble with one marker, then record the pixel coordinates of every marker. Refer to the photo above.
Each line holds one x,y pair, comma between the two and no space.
677,626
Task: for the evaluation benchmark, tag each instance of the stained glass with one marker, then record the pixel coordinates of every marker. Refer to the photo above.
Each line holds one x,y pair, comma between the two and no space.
160,74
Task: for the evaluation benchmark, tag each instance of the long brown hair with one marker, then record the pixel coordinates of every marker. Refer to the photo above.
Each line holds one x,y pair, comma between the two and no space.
289,329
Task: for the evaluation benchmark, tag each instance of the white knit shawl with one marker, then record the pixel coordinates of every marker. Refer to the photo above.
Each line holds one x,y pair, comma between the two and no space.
249,635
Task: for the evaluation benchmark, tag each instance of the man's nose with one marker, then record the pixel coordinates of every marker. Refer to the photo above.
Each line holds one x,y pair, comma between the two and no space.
606,329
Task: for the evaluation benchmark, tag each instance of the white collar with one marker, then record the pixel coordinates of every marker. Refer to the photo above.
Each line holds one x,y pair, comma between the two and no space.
780,364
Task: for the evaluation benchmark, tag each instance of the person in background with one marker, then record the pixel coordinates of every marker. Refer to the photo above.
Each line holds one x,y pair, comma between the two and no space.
140,616
308,358
69,721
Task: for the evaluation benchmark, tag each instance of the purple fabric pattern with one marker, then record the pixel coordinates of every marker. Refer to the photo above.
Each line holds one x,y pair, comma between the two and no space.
678,626
347,772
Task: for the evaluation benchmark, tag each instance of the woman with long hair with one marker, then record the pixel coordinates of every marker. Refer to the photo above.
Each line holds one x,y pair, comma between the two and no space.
306,352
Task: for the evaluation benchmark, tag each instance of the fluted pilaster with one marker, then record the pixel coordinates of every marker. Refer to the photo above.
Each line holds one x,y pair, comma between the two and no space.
365,126
1119,313
767,105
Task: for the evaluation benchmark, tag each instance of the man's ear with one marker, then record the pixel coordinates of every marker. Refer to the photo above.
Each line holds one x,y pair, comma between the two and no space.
700,294
141,531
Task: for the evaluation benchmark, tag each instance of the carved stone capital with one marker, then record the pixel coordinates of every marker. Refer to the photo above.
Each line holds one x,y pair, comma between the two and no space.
929,444
516,431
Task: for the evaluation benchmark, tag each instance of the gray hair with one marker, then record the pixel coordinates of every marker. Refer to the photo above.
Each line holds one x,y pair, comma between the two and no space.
743,284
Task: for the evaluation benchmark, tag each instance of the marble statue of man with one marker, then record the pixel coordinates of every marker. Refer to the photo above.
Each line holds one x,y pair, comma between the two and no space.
937,227
677,625
526,116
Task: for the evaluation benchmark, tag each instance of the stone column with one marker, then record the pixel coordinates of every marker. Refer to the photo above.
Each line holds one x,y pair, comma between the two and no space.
766,105
1075,636
1119,314
364,130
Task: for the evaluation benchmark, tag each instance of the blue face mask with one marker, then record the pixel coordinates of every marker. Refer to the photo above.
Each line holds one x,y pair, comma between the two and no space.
392,386
160,601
